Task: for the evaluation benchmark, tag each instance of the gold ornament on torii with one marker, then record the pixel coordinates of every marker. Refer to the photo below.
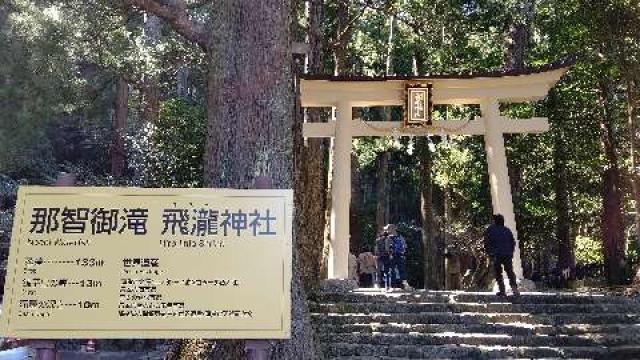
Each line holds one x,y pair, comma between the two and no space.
418,105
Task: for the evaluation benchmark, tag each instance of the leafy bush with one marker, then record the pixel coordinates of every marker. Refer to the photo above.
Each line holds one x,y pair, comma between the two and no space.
178,143
589,251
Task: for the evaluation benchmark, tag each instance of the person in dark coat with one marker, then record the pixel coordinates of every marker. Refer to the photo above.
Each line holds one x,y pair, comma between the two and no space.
500,244
383,254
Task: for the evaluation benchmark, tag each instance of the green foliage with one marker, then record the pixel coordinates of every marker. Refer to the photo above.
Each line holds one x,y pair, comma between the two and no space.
178,145
59,60
36,81
589,251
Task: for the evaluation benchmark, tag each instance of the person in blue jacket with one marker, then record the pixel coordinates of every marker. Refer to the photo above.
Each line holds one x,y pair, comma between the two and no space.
398,258
500,244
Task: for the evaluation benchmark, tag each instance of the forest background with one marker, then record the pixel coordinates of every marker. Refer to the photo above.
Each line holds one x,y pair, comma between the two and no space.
117,93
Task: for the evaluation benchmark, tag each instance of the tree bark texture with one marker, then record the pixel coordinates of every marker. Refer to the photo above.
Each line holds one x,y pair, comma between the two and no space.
251,118
432,250
612,226
632,114
118,151
355,241
183,83
311,194
519,34
382,191
311,166
566,244
383,184
389,64
343,37
250,95
150,86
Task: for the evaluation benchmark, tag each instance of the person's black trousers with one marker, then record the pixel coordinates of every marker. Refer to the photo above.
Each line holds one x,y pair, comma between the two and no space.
384,271
500,261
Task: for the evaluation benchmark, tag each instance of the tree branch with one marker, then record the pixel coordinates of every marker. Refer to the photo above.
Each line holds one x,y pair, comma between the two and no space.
176,15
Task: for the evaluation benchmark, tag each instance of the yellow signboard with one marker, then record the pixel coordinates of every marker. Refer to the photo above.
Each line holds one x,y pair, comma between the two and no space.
149,263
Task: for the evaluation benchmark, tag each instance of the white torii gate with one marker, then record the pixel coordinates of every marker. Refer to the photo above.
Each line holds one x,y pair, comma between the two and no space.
488,90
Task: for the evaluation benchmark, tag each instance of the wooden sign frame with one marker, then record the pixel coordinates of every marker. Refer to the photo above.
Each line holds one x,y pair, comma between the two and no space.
418,105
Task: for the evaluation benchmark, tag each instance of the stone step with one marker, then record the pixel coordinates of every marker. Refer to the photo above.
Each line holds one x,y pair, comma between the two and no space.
488,328
111,355
542,298
381,297
478,339
474,318
372,296
358,351
377,307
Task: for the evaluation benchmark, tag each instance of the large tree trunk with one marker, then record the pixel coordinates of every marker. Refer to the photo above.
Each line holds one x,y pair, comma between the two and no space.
310,186
251,111
389,65
519,34
118,151
632,114
250,99
150,86
355,240
612,227
383,188
432,249
382,191
432,246
343,37
566,245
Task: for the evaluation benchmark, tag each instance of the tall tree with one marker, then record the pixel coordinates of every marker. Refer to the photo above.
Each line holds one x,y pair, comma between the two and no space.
522,12
432,249
118,151
250,110
311,181
383,188
615,28
566,245
612,227
150,85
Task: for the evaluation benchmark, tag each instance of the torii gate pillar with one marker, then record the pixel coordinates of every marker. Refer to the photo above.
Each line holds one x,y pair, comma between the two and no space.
501,197
341,193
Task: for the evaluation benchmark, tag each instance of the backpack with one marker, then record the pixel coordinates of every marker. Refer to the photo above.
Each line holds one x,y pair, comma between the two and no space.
398,245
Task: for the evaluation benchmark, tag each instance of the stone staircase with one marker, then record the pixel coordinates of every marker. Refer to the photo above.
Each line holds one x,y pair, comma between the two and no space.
371,324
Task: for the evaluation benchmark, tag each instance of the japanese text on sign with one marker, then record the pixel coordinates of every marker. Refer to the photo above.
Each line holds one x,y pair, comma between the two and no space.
131,263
